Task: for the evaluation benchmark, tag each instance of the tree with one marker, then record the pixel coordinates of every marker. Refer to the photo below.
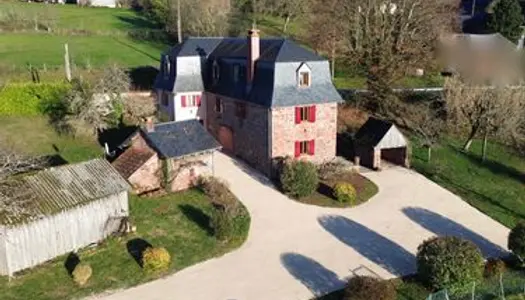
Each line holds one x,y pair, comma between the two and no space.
137,109
325,33
507,19
486,109
288,9
428,123
392,38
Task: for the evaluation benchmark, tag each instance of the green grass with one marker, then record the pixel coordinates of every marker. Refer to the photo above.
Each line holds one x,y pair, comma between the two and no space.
407,82
177,222
83,18
495,186
18,49
33,135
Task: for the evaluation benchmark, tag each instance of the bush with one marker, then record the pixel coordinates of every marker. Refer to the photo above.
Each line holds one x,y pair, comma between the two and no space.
449,262
30,99
494,267
516,240
220,195
369,288
345,193
331,169
156,259
222,224
299,178
82,273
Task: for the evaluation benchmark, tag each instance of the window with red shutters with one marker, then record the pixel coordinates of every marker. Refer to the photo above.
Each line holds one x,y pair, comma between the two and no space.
311,113
297,149
305,113
198,100
303,147
183,100
311,147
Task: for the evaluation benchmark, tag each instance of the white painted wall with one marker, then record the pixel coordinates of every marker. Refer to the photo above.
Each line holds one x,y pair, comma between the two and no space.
103,3
392,139
30,244
189,112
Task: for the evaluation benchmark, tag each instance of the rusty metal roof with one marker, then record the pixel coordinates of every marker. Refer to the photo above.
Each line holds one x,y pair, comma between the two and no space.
60,188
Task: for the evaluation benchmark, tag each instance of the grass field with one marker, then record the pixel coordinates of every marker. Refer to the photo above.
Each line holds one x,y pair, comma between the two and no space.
178,222
495,186
33,135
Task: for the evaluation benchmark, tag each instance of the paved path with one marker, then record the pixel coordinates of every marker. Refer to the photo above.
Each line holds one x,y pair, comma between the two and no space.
295,251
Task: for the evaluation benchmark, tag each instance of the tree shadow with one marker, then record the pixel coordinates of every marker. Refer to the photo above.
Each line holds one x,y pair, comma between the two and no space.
495,167
375,247
115,137
138,22
443,226
157,59
310,273
326,190
71,263
198,217
143,77
55,160
136,248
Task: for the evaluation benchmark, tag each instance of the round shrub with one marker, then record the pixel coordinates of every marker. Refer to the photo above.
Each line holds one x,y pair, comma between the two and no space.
299,178
156,259
222,224
449,262
516,240
82,273
368,288
345,193
494,267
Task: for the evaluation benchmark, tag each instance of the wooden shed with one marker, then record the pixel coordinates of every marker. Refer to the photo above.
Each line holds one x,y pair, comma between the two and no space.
64,209
378,140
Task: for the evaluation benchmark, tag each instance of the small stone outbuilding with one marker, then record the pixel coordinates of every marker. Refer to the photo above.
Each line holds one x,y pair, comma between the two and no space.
378,141
59,210
167,155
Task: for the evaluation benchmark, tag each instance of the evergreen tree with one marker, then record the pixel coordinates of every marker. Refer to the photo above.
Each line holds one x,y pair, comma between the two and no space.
506,19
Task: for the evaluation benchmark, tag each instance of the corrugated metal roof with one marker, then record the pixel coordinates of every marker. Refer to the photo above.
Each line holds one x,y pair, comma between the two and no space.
57,189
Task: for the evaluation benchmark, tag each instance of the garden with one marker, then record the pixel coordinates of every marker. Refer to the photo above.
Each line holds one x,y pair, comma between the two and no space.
173,231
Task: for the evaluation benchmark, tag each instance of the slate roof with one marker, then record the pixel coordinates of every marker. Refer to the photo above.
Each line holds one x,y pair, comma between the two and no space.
372,132
178,139
61,188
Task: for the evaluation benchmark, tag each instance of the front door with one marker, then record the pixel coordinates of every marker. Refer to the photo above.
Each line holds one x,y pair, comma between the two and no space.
226,138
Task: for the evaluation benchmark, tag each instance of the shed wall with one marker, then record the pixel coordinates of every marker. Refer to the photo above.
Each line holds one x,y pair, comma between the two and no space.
392,139
28,245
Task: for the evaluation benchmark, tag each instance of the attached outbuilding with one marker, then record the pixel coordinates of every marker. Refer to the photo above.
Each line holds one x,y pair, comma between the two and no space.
378,141
62,209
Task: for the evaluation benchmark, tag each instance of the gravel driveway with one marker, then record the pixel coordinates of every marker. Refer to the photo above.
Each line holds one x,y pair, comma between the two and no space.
296,251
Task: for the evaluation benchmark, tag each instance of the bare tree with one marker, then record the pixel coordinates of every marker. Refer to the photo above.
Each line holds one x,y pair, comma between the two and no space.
428,123
325,33
12,163
288,9
137,109
484,109
391,38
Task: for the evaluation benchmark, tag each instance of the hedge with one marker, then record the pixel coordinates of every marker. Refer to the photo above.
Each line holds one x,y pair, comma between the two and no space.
25,99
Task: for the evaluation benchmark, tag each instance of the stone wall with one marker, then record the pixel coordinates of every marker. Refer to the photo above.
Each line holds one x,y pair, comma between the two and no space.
324,131
147,177
250,134
185,172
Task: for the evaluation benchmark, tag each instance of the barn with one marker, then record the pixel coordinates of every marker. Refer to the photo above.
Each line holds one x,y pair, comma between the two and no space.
378,141
63,209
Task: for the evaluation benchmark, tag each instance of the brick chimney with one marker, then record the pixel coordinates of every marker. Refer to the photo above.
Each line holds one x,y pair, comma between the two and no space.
254,48
150,127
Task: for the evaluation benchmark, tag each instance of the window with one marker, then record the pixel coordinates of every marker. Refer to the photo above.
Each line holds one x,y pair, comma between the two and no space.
218,105
240,110
164,99
215,71
167,66
190,100
305,113
304,148
304,79
236,73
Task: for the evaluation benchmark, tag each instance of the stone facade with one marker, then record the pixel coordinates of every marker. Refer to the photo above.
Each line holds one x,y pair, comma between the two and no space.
285,132
147,178
186,171
250,133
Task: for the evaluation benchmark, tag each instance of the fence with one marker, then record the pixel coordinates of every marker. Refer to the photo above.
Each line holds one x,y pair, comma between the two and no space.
507,286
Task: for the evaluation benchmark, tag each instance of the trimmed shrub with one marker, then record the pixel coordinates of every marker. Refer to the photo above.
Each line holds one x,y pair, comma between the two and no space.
222,224
449,262
299,178
81,274
156,259
368,288
220,195
345,193
30,99
494,267
516,240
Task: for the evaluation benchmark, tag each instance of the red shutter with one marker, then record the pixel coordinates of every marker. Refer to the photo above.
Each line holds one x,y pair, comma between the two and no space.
183,100
297,149
297,115
311,147
198,100
311,114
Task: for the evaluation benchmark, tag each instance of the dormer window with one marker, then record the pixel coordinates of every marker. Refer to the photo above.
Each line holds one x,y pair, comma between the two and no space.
304,76
167,66
215,71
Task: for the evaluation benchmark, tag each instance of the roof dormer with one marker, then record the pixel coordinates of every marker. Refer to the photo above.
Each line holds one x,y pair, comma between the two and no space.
304,76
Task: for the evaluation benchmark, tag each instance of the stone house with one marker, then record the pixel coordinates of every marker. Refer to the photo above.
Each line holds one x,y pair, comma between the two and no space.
167,155
262,99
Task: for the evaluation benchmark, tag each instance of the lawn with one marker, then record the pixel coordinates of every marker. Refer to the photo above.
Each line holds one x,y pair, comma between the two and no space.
324,195
495,186
178,222
33,135
434,80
